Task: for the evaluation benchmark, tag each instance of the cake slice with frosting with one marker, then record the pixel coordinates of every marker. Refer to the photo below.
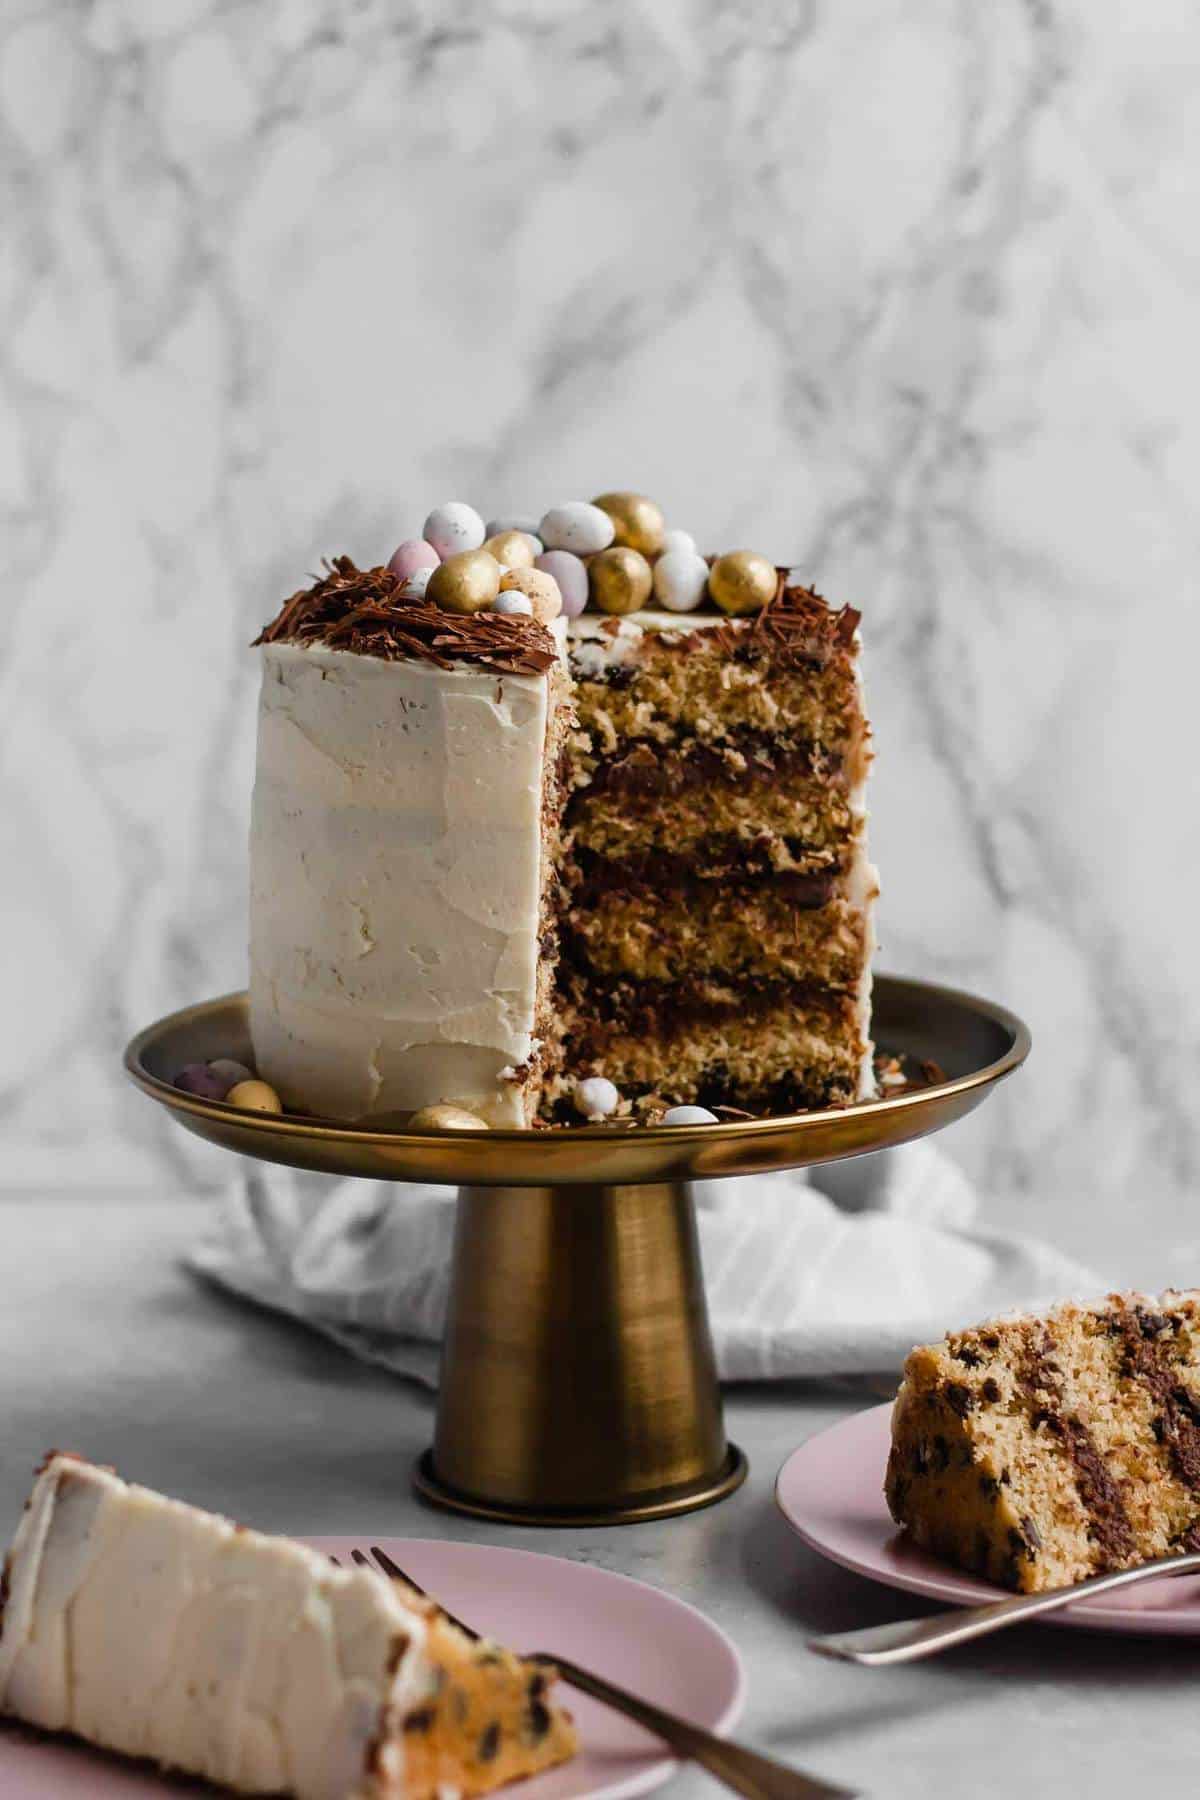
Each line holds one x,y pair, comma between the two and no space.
1041,1449
149,1627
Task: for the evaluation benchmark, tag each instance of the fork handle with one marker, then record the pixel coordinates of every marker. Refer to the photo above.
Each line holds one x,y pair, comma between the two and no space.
908,1640
745,1771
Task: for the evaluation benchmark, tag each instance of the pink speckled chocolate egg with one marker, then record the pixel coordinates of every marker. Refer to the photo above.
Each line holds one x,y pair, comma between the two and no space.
411,555
570,572
198,1079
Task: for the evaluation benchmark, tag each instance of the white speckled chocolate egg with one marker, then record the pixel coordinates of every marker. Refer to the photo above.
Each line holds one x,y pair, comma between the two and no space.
680,580
578,526
689,1115
416,583
453,527
596,1097
677,540
570,572
512,605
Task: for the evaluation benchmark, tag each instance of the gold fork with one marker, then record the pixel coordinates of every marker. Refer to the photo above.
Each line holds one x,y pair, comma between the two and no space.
745,1771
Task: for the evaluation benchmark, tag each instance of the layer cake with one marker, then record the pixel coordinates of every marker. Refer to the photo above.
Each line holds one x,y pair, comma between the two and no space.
1040,1449
151,1628
495,854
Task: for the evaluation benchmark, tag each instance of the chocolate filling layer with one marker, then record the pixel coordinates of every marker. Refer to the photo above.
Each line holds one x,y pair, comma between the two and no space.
1099,1492
748,758
657,1008
719,859
1147,1337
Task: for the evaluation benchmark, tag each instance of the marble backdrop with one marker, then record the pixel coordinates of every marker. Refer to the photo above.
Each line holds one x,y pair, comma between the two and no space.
904,293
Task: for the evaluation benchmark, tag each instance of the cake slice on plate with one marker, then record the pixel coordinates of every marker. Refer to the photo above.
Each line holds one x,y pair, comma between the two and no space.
1040,1449
155,1629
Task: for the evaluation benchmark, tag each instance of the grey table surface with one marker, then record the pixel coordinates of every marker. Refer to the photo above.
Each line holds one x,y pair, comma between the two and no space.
112,1349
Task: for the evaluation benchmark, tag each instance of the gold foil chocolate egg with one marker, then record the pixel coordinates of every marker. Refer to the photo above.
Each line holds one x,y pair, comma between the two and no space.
742,581
638,524
620,579
513,548
465,583
444,1117
540,589
254,1096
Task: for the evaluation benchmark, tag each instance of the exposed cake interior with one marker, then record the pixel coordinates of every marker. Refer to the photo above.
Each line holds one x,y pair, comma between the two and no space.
718,927
1040,1450
157,1630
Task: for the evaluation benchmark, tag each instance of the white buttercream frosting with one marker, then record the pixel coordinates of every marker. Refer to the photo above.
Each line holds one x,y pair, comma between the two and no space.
161,1631
395,882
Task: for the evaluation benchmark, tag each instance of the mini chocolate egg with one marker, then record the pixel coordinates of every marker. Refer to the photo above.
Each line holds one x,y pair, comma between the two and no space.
678,540
689,1115
512,548
570,572
411,555
511,605
620,580
254,1096
230,1072
577,526
465,583
742,581
596,1097
680,580
198,1079
637,522
540,589
527,526
416,584
444,1117
453,527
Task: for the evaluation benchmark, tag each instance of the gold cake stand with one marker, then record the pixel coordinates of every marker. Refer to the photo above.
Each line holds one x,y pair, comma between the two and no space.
578,1383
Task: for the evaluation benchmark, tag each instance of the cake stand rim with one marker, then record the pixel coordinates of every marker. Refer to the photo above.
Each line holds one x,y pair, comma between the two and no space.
477,1149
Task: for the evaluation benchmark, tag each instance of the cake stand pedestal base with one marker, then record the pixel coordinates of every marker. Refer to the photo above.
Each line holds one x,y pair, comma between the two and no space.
578,1381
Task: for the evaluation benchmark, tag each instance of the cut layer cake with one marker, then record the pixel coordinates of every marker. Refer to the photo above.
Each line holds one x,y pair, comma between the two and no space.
499,850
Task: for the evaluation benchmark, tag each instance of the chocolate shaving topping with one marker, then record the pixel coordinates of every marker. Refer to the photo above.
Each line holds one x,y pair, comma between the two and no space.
739,762
797,626
363,610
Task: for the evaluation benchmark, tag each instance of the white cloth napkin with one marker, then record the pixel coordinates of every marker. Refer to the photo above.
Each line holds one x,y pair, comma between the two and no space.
825,1272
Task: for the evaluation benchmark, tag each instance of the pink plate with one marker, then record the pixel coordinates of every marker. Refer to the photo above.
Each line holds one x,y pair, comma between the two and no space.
650,1642
830,1491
